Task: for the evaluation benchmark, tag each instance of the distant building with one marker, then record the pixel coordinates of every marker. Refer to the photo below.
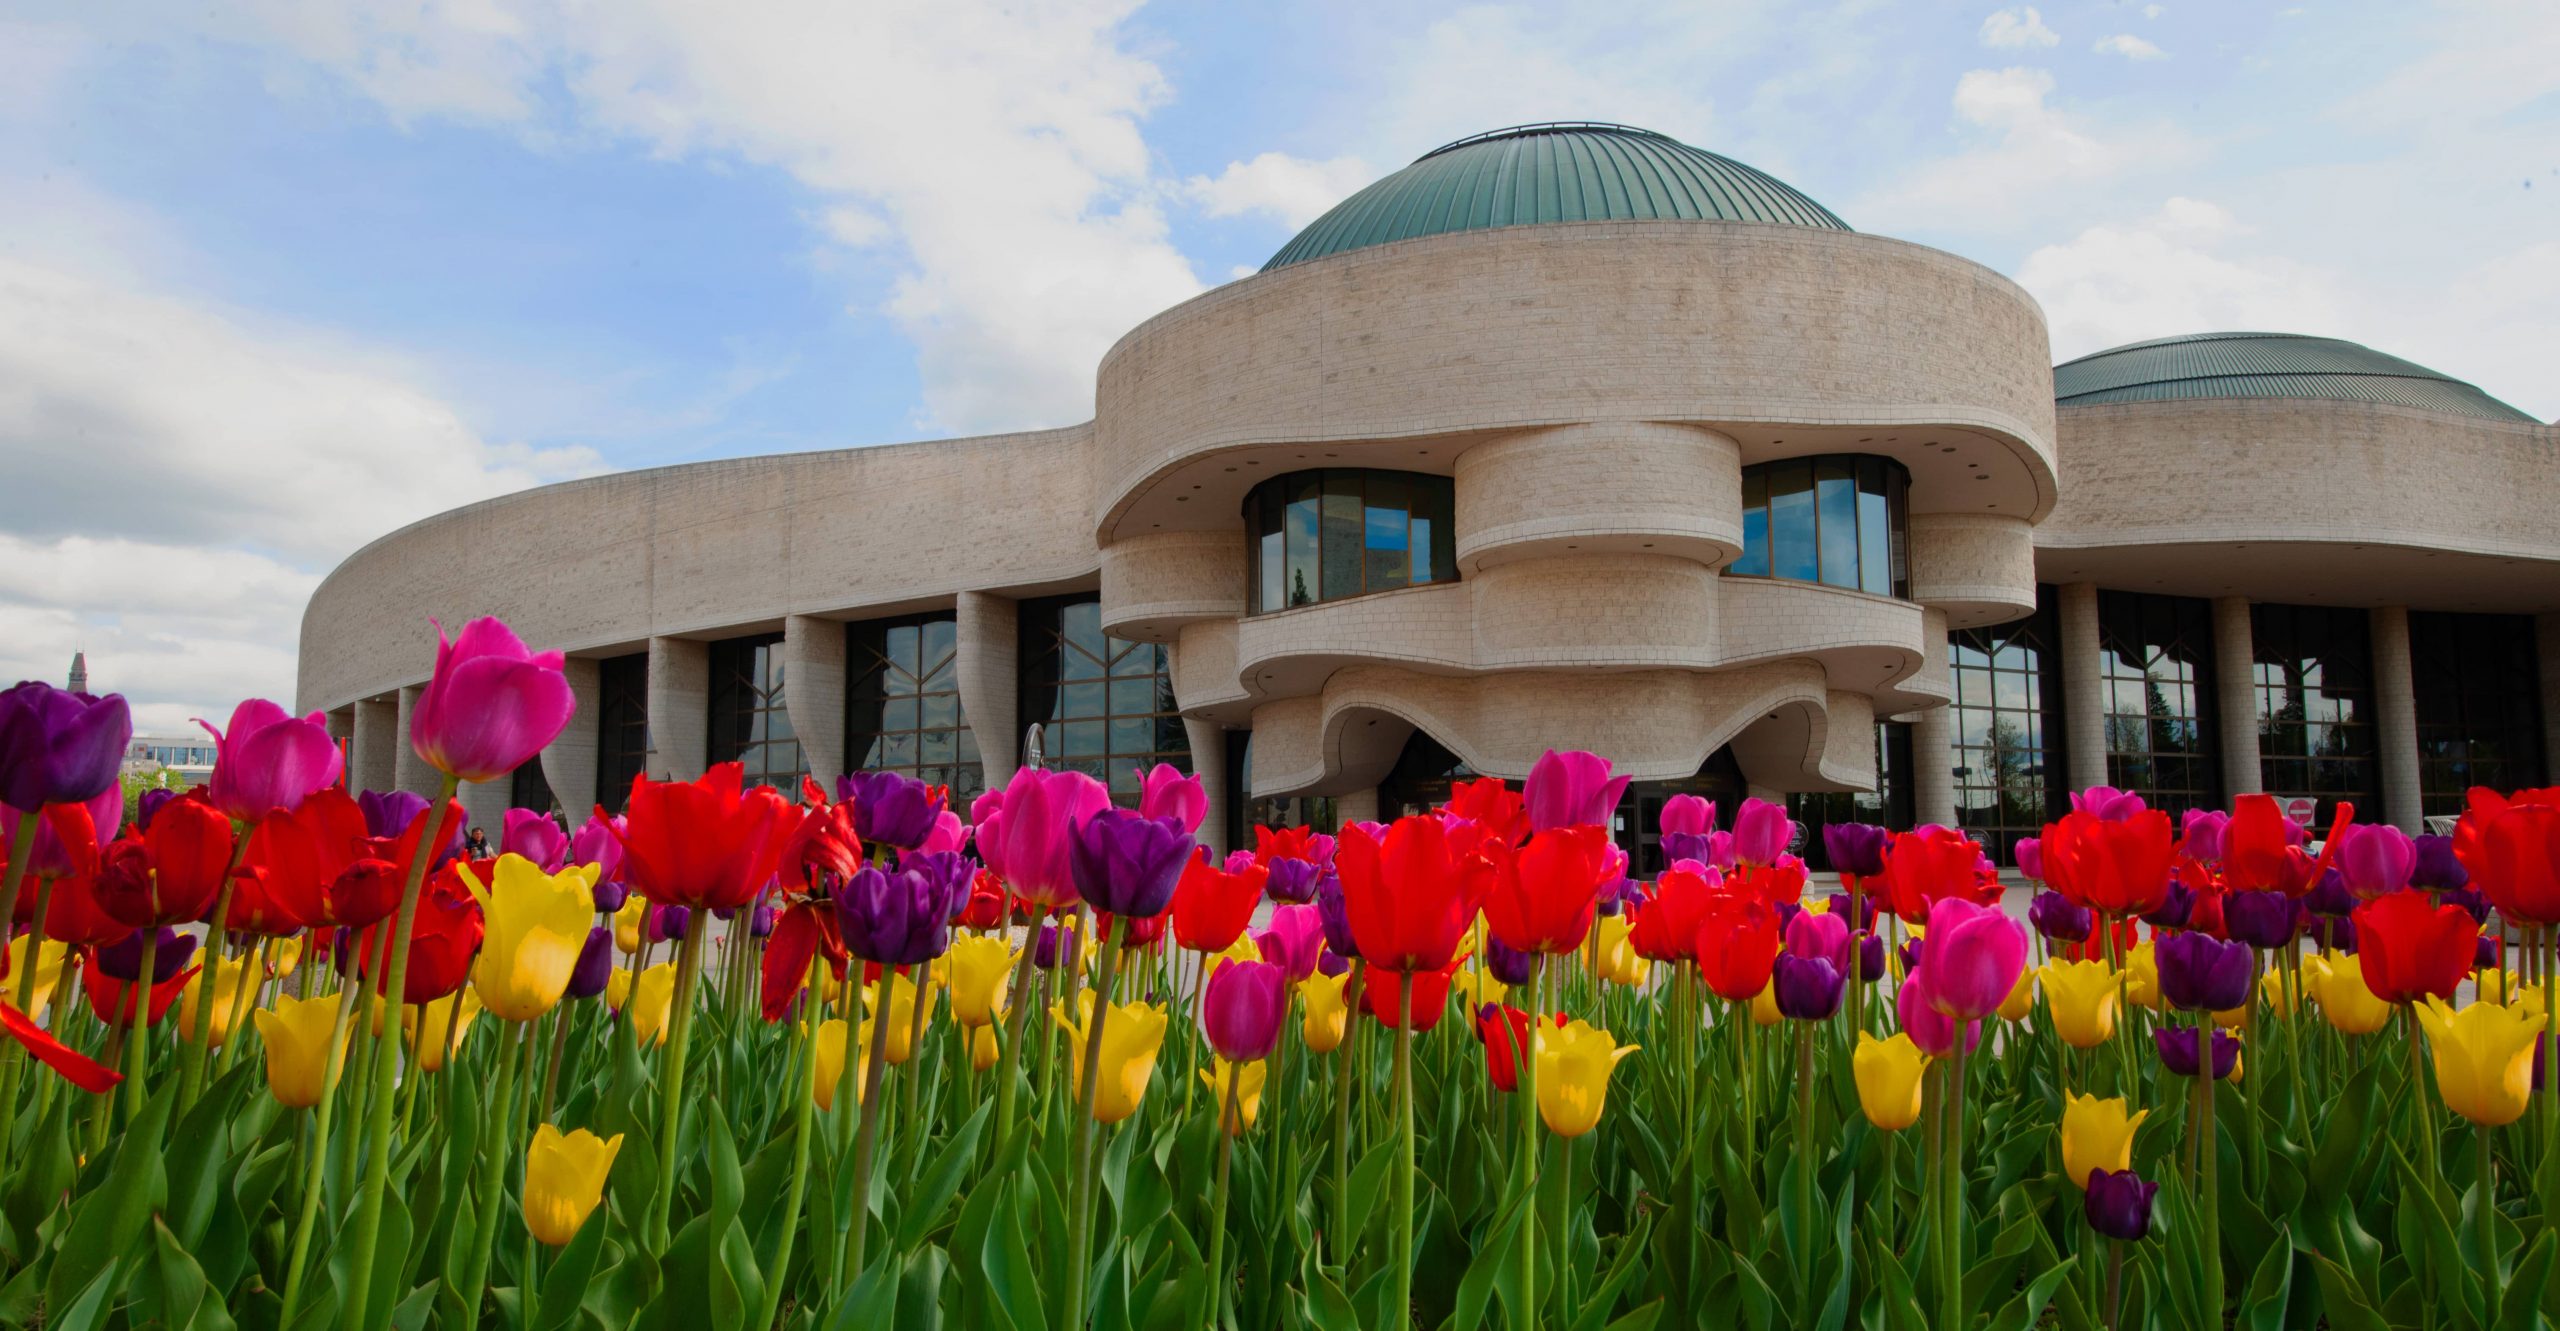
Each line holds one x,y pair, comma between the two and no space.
79,682
189,756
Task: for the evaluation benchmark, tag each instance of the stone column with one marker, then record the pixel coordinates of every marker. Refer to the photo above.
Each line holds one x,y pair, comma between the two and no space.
2084,702
2546,650
990,683
813,692
1209,763
679,708
2395,706
1933,766
409,771
569,762
1357,806
374,764
484,806
2235,694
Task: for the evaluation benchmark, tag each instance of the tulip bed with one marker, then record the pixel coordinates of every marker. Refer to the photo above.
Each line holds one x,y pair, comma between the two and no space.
744,1058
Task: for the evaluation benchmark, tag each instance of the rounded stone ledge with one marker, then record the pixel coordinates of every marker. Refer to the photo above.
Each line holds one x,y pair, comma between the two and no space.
1290,652
1633,610
1867,642
1632,486
1204,673
1980,568
1153,584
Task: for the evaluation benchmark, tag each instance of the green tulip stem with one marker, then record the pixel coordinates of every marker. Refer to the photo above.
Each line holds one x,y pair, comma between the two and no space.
1080,1225
1952,1309
315,1169
138,1047
1345,1071
1925,1214
1805,1164
2420,1112
561,1015
497,1151
679,1044
874,1062
1857,984
1009,1068
2115,1283
1218,1201
2208,1159
191,1057
805,1082
13,1060
2485,1222
1401,1282
2550,1054
1524,1061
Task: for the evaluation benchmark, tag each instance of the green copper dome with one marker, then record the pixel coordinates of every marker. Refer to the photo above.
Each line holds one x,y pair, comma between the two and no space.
1562,172
2289,365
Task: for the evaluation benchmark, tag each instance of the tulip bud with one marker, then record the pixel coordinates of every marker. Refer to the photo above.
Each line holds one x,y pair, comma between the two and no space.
2118,1204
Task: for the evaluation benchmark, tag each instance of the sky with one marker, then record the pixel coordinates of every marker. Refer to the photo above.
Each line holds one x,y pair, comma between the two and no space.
279,276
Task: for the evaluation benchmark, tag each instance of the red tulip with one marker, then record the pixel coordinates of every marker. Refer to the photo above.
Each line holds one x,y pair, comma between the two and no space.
1283,843
1546,892
1504,1031
1780,883
74,916
171,873
2512,850
1211,907
1737,945
822,839
2119,867
1665,926
2411,950
1497,812
1410,896
709,844
442,940
2094,947
1383,989
1932,863
112,999
987,897
805,931
296,857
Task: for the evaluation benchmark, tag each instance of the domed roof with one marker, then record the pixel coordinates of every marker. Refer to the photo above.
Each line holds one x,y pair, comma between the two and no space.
2288,365
1566,171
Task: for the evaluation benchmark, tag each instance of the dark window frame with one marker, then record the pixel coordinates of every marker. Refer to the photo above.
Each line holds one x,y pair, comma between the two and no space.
2160,649
747,713
2478,680
2008,675
1080,684
903,669
1331,544
2311,673
622,726
1874,562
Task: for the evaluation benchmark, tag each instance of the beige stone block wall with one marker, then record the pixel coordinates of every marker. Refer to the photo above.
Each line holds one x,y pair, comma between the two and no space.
569,762
1630,486
987,630
374,763
1978,567
2084,708
1156,582
2395,712
1613,610
679,708
2236,696
409,771
813,666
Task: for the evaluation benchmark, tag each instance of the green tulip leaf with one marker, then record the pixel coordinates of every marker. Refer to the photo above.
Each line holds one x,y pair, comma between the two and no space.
2342,1303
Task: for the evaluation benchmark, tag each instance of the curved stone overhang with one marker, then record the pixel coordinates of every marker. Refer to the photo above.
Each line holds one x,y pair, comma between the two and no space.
2308,501
1788,340
715,549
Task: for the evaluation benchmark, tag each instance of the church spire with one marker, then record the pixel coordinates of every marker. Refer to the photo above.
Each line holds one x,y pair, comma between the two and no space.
79,672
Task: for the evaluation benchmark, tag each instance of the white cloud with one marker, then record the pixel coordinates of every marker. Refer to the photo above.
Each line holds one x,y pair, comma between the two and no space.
1294,190
2129,46
2491,58
2009,28
998,146
2153,11
2169,273
2028,157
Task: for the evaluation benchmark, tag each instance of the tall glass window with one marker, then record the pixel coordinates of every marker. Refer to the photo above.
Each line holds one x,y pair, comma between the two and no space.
1888,805
902,703
1106,705
529,788
749,722
1245,812
622,726
1324,535
1841,520
2155,661
2479,706
2314,668
2008,733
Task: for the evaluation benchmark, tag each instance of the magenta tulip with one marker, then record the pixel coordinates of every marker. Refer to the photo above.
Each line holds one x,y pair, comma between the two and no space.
536,837
492,704
268,760
1243,1008
1934,1033
1571,789
1165,792
1973,960
1688,815
598,841
1820,935
2376,859
1027,838
948,834
1295,937
2106,803
2200,834
1761,832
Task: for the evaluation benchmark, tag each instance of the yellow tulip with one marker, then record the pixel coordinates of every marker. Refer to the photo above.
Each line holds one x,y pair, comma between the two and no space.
2271,987
1764,1009
902,1018
1243,949
564,1178
2526,999
983,1048
2338,984
653,1000
2022,997
439,1027
979,971
2142,977
830,1039
1248,1092
2232,1019
626,924
617,988
2097,1134
1328,1014
49,959
1131,1039
2082,996
237,989
1573,1075
296,1032
1888,1075
1477,987
1619,963
537,926
2497,986
2484,1058
285,956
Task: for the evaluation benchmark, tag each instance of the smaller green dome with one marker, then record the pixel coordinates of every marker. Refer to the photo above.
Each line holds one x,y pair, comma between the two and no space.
2284,365
1565,171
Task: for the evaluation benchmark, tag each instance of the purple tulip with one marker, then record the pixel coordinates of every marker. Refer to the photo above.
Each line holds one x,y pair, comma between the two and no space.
1854,848
2336,933
268,760
536,837
122,959
1045,954
1571,789
902,917
2376,859
388,813
2201,832
1761,832
1975,956
2199,972
890,808
760,920
1330,963
2485,952
1127,864
59,747
610,895
666,924
492,704
2329,896
1336,916
2177,1045
1698,846
2057,917
2118,1204
1615,893
1819,934
2259,919
595,964
149,805
1870,957
1509,966
2029,853
2175,908
1865,919
1910,954
2469,899
2433,866
1165,792
1295,937
1290,880
1809,988
1242,1009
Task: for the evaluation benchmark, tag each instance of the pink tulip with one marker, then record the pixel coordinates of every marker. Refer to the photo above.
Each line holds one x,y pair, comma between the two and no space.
1164,792
598,842
1973,959
1025,839
1820,935
2030,856
2200,834
2106,803
1688,815
1571,789
491,706
1242,1010
268,760
1761,832
2376,859
1294,939
53,855
1935,1034
534,836
948,834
